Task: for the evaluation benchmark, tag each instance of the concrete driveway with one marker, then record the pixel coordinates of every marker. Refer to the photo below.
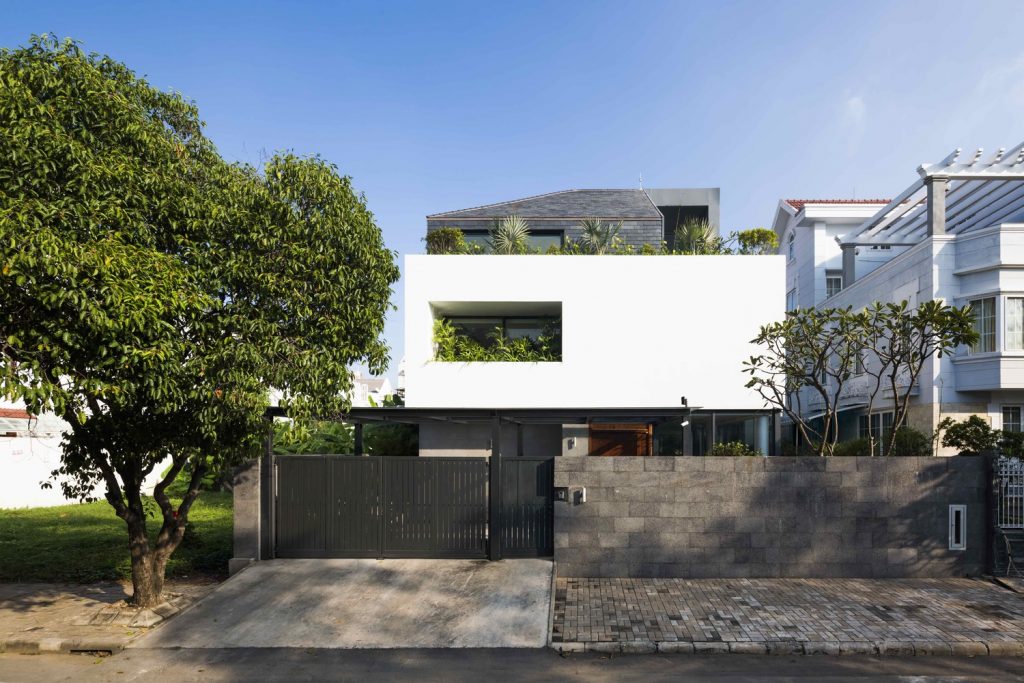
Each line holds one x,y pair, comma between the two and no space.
369,604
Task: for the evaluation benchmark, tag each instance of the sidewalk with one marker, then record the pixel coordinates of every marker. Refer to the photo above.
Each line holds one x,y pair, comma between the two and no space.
38,617
789,616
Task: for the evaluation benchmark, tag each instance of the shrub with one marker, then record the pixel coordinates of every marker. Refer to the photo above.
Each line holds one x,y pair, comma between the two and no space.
853,447
1011,444
452,346
909,442
732,448
972,436
446,241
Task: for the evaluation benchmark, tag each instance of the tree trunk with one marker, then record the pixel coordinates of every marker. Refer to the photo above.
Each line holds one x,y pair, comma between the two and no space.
147,567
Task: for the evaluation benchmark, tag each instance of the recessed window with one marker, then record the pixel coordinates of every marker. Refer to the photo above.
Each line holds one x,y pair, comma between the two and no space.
833,282
497,331
790,246
791,300
984,314
1014,323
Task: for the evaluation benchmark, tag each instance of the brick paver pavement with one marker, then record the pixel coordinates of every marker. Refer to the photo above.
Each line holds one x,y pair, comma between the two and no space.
831,616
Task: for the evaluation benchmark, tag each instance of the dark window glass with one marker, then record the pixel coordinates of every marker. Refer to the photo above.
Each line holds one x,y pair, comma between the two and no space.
481,330
539,240
477,238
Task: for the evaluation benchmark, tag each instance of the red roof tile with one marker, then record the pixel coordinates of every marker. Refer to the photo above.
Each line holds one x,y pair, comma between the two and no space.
14,412
800,203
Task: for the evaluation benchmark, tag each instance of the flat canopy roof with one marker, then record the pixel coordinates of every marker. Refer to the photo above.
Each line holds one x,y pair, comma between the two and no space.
407,415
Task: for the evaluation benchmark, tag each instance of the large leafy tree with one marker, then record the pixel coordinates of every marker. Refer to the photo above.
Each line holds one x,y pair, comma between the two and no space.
151,292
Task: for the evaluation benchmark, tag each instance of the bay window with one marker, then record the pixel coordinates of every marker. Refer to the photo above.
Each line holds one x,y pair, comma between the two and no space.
983,312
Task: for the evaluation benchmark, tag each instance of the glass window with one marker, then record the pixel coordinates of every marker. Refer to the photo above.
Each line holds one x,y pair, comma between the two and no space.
790,248
881,427
517,328
484,329
1014,324
791,300
481,330
1011,418
984,312
477,238
833,283
543,240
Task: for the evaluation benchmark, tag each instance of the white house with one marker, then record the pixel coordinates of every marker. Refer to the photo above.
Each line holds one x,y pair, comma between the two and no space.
636,332
955,234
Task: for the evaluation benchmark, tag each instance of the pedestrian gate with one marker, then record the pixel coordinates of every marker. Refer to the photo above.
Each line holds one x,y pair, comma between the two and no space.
389,506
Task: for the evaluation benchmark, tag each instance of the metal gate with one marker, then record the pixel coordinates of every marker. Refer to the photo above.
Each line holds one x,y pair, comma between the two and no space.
1010,493
527,507
346,506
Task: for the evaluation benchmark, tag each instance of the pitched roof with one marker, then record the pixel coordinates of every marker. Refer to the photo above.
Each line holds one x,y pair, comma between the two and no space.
567,204
800,203
14,413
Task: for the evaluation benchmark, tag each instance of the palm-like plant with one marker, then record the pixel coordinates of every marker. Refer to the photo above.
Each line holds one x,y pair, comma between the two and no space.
596,236
697,237
510,235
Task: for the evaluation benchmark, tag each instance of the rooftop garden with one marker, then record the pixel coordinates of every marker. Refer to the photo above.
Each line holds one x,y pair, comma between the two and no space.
513,235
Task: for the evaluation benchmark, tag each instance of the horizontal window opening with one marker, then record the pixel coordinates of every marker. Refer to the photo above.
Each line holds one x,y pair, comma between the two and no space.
529,332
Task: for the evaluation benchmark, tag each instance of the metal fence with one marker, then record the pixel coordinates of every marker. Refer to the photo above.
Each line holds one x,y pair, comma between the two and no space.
1010,493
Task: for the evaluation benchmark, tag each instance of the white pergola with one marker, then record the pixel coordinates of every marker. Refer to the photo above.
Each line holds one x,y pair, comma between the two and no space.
953,196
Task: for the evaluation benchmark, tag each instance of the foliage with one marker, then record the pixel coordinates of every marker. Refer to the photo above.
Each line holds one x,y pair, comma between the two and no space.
598,237
84,543
447,241
813,349
152,292
510,235
452,346
852,448
818,350
732,448
972,436
1011,444
910,442
332,437
756,241
698,237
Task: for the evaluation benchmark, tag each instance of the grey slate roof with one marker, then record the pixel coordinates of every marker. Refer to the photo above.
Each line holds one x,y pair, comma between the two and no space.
567,204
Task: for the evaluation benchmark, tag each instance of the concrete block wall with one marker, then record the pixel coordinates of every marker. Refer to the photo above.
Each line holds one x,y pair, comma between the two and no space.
246,497
693,517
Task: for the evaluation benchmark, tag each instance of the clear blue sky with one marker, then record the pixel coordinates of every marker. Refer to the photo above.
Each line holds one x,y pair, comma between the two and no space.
438,106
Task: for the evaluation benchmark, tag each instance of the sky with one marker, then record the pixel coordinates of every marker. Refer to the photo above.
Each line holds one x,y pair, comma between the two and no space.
438,106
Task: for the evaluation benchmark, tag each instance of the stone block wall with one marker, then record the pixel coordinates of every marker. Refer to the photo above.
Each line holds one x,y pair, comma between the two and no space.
694,517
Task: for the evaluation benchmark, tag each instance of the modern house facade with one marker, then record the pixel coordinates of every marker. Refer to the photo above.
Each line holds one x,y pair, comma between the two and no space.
956,234
634,331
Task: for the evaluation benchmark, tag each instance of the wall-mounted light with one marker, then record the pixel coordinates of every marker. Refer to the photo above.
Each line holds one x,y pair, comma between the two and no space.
684,423
572,442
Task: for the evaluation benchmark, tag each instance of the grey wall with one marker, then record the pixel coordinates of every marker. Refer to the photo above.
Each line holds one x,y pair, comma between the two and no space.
768,517
246,495
474,440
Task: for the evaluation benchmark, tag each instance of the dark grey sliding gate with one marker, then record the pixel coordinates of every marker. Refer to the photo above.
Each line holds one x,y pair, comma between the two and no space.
347,506
527,507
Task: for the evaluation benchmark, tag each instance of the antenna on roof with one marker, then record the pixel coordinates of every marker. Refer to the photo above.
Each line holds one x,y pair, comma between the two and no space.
641,180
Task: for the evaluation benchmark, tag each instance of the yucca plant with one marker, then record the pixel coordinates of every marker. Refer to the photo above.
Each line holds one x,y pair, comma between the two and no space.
698,237
510,235
596,236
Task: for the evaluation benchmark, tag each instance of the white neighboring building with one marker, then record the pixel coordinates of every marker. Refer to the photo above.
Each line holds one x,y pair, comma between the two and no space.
956,234
637,332
369,391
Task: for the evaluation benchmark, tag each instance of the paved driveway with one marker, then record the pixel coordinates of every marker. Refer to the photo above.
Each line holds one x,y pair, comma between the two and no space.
369,604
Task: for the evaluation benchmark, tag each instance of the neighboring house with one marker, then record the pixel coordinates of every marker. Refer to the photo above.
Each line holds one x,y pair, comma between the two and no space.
956,234
634,331
648,216
369,391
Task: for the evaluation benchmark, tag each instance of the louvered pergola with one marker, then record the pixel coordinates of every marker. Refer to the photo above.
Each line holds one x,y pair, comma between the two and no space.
951,197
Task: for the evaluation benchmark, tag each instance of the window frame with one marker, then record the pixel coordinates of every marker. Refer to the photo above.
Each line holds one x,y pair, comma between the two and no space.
1020,413
833,275
977,320
474,235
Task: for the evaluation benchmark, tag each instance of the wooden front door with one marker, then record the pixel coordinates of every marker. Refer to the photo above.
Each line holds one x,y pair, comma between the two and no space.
617,439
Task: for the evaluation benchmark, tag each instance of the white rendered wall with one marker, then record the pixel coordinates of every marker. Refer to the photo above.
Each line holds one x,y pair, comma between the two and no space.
637,331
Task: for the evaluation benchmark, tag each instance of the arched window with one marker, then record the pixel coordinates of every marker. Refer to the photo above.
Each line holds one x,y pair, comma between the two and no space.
789,245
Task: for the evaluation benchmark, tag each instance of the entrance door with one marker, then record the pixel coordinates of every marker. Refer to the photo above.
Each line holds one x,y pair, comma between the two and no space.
616,439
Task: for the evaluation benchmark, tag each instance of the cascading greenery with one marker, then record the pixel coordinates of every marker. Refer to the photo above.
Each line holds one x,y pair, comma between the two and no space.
450,345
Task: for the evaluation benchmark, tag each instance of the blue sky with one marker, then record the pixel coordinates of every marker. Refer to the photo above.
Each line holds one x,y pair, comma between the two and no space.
438,106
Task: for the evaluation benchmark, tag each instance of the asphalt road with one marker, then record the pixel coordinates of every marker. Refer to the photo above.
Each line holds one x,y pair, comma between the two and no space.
244,664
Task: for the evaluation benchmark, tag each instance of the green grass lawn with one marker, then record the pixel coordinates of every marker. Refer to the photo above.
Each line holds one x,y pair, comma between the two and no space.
87,542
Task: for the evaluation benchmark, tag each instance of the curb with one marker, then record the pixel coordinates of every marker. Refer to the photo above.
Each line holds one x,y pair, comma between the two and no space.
995,648
551,603
61,645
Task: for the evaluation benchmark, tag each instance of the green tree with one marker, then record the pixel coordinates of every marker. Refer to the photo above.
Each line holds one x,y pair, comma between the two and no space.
698,237
152,292
756,241
973,436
